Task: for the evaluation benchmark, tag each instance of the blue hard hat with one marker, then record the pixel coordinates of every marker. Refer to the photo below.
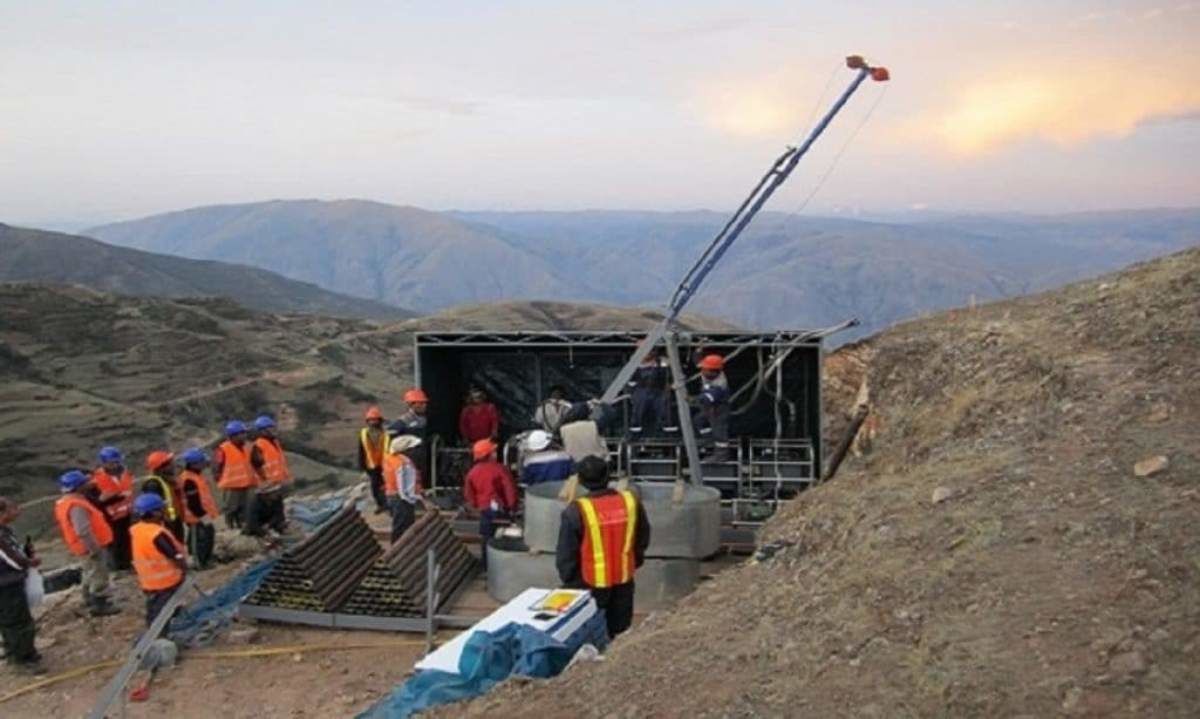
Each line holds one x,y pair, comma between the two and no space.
72,480
264,422
233,427
194,456
110,454
147,503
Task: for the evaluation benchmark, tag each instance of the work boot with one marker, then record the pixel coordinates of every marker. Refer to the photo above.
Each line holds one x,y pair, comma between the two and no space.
34,667
101,607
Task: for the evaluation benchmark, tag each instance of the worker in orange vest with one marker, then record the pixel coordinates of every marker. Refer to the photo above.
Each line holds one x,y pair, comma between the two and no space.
602,539
159,559
237,467
115,484
402,483
199,508
87,534
373,443
277,478
163,482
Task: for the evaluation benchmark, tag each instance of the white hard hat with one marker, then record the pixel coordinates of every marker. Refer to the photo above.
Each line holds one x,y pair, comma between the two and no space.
403,443
537,440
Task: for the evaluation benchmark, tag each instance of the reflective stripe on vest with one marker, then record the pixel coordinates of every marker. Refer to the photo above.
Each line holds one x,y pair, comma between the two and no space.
100,527
168,494
206,498
155,572
275,466
373,454
236,472
606,553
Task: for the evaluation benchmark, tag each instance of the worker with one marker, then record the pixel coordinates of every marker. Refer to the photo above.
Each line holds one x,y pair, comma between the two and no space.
602,540
550,413
581,434
543,462
488,490
712,419
237,467
16,623
415,421
373,443
200,509
276,476
402,484
159,558
115,484
479,419
649,403
162,481
87,534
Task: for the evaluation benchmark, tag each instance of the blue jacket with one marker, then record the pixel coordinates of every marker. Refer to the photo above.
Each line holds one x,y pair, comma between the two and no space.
548,466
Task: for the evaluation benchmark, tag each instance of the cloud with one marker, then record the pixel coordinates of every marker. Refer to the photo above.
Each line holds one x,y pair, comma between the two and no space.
1065,107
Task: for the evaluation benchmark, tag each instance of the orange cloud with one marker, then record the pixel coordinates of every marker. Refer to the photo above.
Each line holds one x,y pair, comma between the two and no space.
1064,107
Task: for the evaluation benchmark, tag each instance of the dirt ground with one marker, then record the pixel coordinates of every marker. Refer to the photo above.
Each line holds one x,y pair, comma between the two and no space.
1011,544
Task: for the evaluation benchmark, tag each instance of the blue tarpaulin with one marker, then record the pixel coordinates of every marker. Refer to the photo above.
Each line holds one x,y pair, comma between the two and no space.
488,659
197,624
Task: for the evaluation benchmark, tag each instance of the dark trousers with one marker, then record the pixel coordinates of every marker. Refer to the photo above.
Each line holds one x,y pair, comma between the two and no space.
155,601
175,526
240,510
16,625
403,516
269,511
617,603
201,538
377,493
119,552
487,530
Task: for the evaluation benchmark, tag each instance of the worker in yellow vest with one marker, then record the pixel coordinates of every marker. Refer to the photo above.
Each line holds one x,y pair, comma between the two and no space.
162,481
372,448
159,559
115,484
200,509
276,477
88,535
237,467
602,540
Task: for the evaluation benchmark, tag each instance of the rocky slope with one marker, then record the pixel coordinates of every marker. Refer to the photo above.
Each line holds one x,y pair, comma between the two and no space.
1019,540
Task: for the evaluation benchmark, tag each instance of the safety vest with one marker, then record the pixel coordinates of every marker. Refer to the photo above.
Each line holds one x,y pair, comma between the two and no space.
155,572
392,465
120,503
237,472
169,495
206,498
606,554
374,452
275,466
100,528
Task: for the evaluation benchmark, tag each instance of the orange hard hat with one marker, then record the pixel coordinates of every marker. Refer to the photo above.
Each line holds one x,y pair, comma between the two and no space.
483,448
712,363
159,458
373,412
416,394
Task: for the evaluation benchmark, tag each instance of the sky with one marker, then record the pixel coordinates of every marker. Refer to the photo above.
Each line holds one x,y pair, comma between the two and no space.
115,110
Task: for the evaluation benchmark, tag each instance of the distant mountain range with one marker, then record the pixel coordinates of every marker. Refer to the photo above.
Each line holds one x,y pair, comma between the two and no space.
785,272
37,256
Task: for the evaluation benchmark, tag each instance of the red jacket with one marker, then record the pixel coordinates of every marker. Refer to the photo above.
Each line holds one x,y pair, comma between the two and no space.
490,480
478,421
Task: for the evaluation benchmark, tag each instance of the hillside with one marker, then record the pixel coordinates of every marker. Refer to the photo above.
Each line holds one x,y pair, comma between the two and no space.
787,271
994,553
39,256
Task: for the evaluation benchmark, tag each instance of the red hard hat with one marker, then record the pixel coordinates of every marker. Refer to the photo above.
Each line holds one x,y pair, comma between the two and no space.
159,458
713,363
373,412
483,448
416,394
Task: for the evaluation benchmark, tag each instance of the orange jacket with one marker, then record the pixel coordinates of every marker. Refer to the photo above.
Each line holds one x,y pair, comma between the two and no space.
211,510
237,472
393,466
275,466
155,572
100,527
116,492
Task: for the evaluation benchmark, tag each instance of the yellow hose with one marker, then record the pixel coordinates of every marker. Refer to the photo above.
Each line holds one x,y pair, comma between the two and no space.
219,654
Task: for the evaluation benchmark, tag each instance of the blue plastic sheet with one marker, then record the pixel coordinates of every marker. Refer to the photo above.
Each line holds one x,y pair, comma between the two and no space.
200,622
312,513
488,659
